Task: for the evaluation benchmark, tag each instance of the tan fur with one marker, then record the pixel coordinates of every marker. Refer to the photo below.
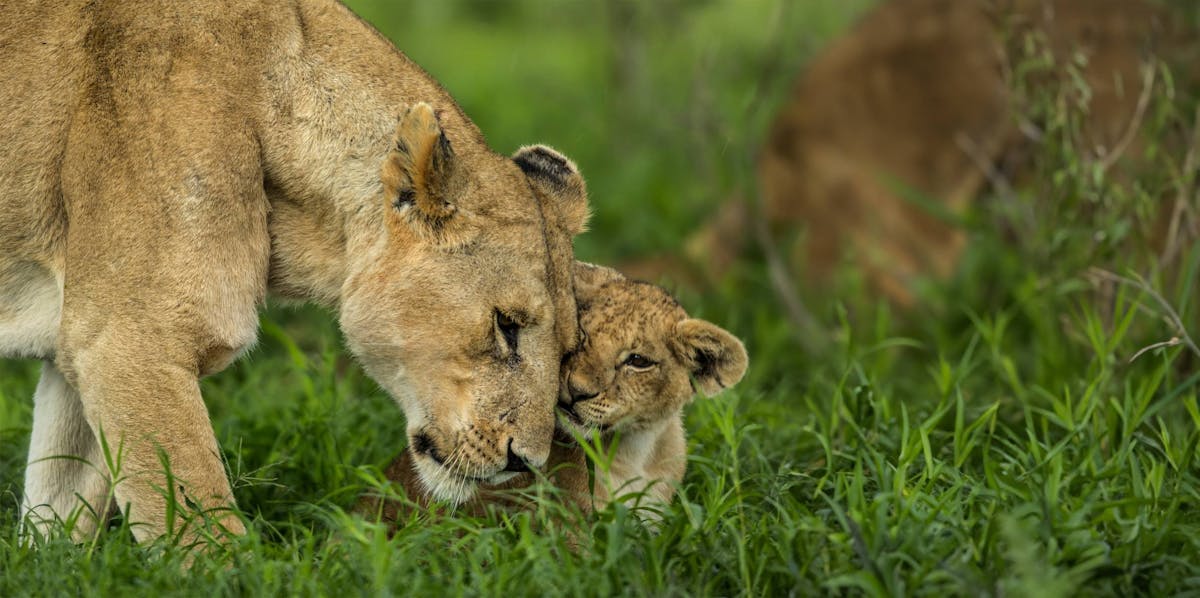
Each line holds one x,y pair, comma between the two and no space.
914,102
637,411
165,163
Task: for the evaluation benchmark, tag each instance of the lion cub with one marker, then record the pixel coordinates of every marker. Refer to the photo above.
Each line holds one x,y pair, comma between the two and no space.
641,360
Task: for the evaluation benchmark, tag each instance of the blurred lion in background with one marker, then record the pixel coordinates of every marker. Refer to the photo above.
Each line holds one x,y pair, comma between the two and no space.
901,123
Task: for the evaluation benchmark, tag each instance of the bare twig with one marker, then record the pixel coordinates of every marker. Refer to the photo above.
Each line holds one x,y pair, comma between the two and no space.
1184,198
1171,342
1135,122
1137,282
1004,189
1030,131
808,331
985,164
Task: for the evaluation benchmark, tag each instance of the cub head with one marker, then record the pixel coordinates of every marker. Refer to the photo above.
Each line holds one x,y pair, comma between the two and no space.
463,305
642,358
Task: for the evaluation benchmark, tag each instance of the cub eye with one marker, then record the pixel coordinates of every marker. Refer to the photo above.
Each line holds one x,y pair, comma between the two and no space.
509,329
638,362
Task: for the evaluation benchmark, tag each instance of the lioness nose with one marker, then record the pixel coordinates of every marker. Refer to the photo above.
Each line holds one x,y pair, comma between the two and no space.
515,463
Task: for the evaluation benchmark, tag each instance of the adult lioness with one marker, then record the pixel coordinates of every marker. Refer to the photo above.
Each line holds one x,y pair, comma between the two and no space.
166,162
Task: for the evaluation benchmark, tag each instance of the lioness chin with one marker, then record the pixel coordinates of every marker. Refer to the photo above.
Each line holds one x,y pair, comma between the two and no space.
167,163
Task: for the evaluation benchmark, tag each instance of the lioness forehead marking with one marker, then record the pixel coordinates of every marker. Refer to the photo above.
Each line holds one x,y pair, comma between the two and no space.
544,165
559,258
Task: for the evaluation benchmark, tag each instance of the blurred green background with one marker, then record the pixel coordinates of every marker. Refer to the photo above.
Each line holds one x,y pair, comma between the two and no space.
659,103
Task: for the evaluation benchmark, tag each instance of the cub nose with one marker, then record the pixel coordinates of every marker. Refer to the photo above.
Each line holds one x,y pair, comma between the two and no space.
515,463
575,395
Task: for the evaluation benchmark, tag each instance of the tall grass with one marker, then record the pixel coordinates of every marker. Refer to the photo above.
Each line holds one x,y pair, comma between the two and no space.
1009,436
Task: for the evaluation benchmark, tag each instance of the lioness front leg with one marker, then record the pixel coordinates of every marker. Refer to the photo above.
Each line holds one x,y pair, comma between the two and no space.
67,476
166,263
136,364
147,310
168,469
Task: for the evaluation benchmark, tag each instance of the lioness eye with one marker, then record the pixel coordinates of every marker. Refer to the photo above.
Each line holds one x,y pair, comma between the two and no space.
637,361
509,329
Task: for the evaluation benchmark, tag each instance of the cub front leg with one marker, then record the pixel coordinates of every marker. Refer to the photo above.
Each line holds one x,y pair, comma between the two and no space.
67,477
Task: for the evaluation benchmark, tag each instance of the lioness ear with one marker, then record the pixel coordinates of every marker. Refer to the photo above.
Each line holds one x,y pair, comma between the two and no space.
554,175
590,277
419,179
716,358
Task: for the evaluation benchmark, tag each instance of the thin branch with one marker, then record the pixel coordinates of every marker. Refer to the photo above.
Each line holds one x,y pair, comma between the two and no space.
1004,188
1184,198
809,333
1171,342
1135,122
1140,283
985,164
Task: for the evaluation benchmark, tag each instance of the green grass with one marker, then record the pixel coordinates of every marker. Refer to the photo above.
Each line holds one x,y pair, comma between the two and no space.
997,440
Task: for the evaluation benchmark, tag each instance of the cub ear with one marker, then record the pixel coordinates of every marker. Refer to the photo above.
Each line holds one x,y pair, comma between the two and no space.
716,358
553,175
419,173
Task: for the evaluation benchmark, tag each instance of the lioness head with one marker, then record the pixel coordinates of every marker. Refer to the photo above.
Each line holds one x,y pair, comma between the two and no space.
466,303
642,358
